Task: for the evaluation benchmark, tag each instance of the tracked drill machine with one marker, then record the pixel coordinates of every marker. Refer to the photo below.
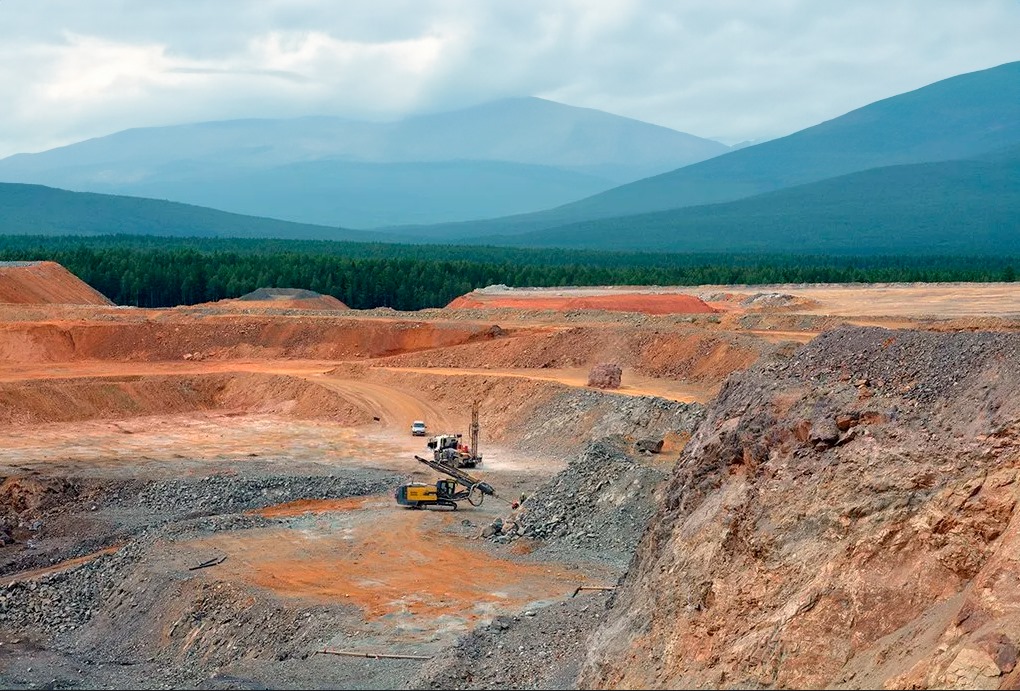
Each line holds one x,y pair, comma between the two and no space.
463,486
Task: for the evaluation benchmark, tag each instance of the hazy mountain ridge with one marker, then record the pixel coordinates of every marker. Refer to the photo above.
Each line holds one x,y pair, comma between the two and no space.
550,154
967,204
948,207
956,118
39,210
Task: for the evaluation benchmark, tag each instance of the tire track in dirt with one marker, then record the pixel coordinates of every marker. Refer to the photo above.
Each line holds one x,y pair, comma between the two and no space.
394,407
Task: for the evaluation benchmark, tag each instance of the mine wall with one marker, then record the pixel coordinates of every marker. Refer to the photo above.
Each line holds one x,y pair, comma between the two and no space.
843,517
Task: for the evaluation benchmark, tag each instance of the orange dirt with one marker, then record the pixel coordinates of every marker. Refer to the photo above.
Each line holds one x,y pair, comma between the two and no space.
389,562
299,507
623,302
271,387
174,335
45,283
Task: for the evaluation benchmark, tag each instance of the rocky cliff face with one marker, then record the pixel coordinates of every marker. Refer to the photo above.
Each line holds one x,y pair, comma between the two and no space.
843,517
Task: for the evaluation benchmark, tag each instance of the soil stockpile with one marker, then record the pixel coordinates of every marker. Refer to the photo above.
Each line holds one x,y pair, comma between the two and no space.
842,518
533,299
286,298
45,283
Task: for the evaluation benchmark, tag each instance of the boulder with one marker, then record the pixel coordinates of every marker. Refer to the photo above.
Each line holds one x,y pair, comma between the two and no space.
605,376
648,445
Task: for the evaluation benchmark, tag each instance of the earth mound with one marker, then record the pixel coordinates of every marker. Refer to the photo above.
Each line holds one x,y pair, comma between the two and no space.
844,516
495,297
285,298
45,283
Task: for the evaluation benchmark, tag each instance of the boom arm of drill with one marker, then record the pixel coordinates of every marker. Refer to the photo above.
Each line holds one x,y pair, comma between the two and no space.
466,479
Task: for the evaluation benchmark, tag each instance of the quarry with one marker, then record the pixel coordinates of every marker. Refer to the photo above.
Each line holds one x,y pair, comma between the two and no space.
791,486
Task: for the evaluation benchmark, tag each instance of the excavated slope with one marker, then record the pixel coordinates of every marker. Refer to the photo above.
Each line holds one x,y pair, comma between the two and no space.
845,517
45,283
153,337
90,398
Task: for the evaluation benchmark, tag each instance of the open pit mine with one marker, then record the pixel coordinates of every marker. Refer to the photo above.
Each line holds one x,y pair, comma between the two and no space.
709,486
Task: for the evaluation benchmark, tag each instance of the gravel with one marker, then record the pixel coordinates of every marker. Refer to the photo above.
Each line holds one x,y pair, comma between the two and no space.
599,504
602,413
539,649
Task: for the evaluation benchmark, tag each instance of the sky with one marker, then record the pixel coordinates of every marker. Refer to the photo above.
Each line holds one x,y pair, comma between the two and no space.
732,70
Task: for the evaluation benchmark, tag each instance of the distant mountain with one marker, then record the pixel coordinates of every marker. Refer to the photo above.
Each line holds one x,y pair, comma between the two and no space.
952,119
506,157
38,210
366,195
969,207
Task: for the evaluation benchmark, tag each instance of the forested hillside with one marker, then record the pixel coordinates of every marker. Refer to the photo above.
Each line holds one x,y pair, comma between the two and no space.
951,207
160,272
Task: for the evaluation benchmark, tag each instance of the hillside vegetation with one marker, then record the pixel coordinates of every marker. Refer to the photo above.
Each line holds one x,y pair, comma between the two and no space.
39,210
160,272
964,207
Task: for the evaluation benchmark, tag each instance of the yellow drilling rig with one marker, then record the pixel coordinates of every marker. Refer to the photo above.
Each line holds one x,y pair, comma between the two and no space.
463,486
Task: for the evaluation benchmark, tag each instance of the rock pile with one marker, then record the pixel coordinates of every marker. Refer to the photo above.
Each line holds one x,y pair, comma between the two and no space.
539,649
222,494
609,414
62,601
601,502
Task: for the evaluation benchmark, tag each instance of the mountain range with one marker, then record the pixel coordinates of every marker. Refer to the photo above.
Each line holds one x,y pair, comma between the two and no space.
955,118
500,158
934,170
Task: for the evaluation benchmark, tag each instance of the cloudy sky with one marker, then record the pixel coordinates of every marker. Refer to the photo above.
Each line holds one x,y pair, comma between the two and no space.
732,70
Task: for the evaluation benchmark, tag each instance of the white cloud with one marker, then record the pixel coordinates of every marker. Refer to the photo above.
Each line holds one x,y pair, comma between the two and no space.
732,69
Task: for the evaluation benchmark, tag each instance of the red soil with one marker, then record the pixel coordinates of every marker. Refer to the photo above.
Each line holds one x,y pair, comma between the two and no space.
171,335
45,283
624,302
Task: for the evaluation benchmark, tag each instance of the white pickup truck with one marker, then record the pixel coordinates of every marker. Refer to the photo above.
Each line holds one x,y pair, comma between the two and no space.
418,428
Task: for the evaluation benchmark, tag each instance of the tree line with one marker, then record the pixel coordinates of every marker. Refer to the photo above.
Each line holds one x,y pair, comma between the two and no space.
164,272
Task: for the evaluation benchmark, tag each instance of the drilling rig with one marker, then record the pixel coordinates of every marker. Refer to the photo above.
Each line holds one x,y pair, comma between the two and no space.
449,450
418,495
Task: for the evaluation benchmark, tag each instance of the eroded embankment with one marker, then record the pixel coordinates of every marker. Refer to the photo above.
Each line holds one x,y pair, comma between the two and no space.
174,337
842,518
75,399
689,354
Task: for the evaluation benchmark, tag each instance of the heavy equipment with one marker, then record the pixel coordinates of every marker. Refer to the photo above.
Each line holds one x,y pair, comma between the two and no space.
462,487
448,449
